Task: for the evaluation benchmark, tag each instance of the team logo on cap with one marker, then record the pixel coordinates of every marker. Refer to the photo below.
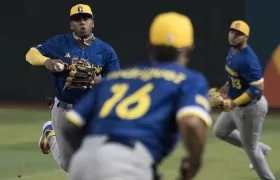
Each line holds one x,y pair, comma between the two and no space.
237,25
80,9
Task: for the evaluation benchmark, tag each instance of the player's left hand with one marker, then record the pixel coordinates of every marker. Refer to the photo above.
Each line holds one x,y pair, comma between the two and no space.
97,79
229,104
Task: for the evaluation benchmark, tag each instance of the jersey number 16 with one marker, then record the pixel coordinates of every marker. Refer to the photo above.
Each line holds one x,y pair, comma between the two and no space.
141,100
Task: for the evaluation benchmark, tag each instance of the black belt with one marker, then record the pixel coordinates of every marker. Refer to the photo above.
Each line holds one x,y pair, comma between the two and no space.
251,102
64,105
130,143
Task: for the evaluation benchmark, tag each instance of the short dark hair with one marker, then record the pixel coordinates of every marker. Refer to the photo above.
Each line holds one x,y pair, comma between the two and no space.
163,53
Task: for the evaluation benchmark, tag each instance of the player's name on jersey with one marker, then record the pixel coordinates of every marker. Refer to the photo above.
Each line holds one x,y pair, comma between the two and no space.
230,71
148,74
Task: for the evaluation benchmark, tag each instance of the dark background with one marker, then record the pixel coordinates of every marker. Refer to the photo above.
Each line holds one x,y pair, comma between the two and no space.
124,25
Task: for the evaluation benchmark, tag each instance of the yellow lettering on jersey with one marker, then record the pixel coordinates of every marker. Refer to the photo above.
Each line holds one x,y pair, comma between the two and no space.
230,71
236,83
148,74
97,69
140,100
203,101
118,91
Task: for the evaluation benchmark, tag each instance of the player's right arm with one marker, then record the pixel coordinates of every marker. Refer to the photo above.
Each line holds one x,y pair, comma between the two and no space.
35,57
193,120
42,54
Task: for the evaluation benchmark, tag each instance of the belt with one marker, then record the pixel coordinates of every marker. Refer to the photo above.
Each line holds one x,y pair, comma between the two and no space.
251,102
64,105
128,142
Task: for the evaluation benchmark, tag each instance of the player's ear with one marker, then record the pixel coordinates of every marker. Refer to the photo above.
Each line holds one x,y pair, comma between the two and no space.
92,23
185,54
71,26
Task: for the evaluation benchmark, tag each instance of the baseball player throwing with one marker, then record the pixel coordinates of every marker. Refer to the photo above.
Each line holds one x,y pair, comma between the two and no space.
76,61
242,99
134,116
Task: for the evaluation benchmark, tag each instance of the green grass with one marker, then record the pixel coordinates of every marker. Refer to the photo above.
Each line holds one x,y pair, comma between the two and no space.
19,153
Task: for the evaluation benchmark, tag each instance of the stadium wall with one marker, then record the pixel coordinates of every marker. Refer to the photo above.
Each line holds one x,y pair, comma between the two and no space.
124,25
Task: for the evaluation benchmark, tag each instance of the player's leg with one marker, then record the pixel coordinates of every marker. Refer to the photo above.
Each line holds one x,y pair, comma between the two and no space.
99,158
47,132
61,151
224,129
250,130
47,141
53,140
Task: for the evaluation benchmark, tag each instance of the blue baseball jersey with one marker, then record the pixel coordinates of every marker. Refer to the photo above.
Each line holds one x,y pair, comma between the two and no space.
65,48
243,70
143,103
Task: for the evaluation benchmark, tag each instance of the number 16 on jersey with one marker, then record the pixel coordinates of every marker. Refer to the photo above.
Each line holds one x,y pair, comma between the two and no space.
120,102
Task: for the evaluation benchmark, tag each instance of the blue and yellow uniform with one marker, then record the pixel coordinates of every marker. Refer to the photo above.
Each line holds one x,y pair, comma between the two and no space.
142,103
65,48
138,108
242,125
244,72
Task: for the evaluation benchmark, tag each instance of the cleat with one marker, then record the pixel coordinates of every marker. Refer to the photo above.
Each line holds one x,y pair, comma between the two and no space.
48,132
265,153
44,146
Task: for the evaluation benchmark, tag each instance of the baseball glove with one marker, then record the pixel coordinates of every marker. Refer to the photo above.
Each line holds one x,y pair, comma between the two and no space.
216,98
81,74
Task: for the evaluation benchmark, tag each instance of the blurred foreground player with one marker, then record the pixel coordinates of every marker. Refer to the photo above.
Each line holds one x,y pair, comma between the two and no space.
245,106
78,46
134,117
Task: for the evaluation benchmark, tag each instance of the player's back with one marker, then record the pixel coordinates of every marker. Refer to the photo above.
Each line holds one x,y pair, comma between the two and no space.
141,103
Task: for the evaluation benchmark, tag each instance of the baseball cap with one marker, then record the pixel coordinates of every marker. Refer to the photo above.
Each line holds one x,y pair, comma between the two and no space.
81,9
241,26
171,29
